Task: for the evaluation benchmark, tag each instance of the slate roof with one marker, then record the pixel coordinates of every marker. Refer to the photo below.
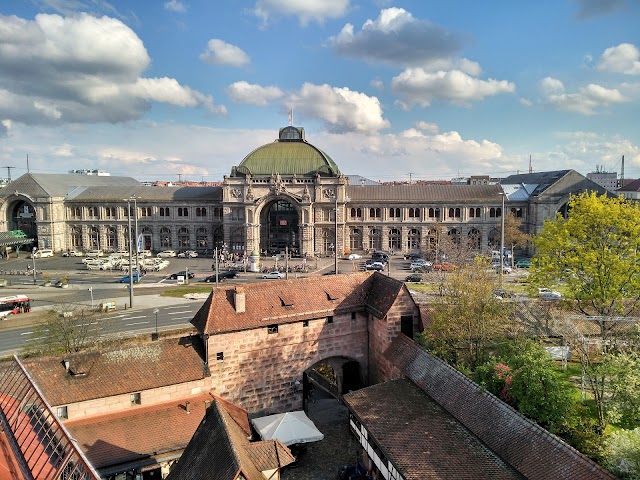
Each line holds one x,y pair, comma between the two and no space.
531,450
138,434
146,193
128,369
220,449
436,194
59,185
398,414
285,301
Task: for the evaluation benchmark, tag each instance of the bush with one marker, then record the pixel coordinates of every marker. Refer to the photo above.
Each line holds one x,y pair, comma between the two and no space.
622,454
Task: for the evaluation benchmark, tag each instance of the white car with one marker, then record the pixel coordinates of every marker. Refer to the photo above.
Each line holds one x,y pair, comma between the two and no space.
548,294
167,253
188,254
354,256
275,275
73,253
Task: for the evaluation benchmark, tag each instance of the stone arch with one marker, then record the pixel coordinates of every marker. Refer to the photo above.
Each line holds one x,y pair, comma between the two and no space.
21,215
346,374
280,224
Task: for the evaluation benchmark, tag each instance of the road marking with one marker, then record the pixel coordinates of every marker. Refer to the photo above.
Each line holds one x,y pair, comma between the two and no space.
136,323
133,318
178,313
176,306
26,333
182,318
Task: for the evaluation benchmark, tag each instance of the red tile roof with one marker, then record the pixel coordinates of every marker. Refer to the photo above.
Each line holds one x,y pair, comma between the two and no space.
113,372
420,438
526,446
138,434
285,301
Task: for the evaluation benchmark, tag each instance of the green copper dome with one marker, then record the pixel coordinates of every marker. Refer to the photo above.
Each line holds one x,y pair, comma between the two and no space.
288,155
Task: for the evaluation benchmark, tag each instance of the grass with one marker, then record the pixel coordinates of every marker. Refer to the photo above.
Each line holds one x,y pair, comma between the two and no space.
182,290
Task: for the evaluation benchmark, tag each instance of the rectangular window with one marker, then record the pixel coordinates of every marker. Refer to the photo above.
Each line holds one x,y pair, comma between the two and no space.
330,319
63,413
220,356
272,329
305,323
353,315
135,399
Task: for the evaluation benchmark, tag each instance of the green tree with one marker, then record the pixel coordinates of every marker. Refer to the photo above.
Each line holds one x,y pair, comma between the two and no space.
467,317
514,235
594,253
622,454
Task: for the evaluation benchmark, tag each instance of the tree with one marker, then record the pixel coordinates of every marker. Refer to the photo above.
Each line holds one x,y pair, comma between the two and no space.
594,253
466,318
622,455
67,329
514,235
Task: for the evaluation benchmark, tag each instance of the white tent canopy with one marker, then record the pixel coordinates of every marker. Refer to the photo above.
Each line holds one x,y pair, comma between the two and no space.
290,428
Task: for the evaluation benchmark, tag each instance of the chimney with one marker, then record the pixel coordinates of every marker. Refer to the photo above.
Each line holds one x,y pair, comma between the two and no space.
187,406
239,298
66,364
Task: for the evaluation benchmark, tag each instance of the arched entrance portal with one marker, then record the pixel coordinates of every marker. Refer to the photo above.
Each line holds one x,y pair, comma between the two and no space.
279,228
22,216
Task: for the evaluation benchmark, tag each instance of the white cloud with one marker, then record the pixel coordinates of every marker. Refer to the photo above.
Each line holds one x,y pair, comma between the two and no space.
428,127
175,6
305,10
585,101
416,86
243,92
219,52
584,150
65,150
624,58
526,102
396,38
339,108
48,75
377,84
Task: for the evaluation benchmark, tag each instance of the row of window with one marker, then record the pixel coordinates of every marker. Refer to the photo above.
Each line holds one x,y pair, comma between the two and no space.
432,213
95,212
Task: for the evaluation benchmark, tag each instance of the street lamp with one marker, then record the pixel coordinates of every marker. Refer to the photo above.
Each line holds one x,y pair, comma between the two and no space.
128,200
91,292
503,195
135,218
33,256
335,226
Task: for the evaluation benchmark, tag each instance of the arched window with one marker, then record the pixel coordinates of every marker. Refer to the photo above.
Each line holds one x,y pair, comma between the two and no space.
110,212
328,240
474,238
76,237
355,239
164,211
201,211
394,239
375,239
76,212
183,211
374,213
218,237
474,212
454,212
454,236
432,242
494,239
183,237
165,237
517,212
92,212
492,212
217,213
356,212
413,240
112,238
394,213
414,213
94,238
434,213
202,238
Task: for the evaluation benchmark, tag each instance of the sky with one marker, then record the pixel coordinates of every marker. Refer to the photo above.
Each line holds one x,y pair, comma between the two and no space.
390,90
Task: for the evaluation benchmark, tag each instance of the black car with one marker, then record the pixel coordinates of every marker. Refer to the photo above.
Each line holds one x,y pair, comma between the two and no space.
379,257
174,276
222,276
413,278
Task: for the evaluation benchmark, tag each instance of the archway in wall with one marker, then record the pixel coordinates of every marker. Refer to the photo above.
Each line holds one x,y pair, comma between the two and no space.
335,375
279,227
22,216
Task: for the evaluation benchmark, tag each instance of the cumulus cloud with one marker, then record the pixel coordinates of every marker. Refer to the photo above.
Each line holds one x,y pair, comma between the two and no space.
243,92
416,86
175,6
584,150
427,127
47,75
305,10
341,109
585,101
396,38
624,58
219,52
596,8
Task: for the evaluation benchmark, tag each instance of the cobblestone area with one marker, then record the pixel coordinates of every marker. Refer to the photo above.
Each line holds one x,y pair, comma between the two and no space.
321,460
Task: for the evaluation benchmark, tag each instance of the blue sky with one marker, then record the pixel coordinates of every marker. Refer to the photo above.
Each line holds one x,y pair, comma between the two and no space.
186,89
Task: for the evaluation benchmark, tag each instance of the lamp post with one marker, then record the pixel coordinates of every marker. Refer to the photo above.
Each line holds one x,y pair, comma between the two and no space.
335,225
91,292
33,257
128,200
135,218
155,311
503,195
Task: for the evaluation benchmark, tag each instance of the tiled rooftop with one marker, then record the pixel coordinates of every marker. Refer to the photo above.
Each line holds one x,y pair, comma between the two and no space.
420,438
284,301
128,369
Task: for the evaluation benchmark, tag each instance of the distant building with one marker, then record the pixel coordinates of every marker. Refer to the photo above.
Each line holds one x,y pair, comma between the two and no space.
99,173
607,180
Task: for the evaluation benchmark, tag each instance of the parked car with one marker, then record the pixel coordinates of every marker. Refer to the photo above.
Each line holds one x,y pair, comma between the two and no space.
167,253
380,257
174,276
273,275
222,276
137,277
523,263
414,277
354,256
188,254
374,265
73,253
548,294
42,253
95,253
412,256
444,267
421,265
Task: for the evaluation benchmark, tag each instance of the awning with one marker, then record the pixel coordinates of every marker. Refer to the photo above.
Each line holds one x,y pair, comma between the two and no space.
14,237
290,428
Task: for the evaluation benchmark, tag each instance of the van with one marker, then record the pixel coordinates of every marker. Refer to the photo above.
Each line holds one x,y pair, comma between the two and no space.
94,253
43,253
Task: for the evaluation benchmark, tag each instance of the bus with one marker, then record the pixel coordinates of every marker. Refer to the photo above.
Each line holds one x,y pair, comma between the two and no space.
14,304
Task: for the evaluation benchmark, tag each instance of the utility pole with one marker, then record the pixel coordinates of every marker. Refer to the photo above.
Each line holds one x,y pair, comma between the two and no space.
9,172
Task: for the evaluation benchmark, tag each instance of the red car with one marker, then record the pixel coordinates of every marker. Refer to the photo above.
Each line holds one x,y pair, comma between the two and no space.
444,267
